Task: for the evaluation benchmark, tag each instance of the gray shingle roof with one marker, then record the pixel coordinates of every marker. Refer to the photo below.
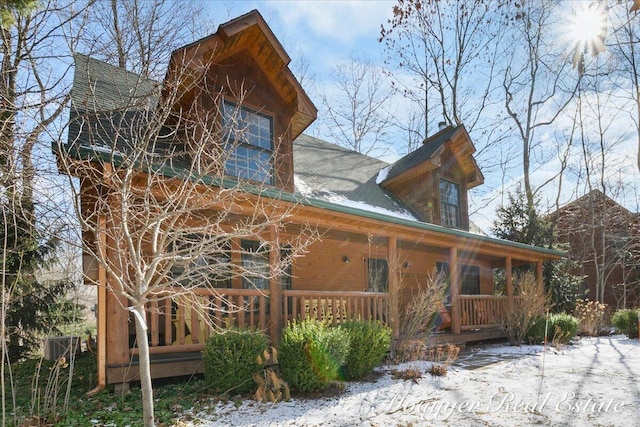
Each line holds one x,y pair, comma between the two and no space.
332,173
98,86
426,152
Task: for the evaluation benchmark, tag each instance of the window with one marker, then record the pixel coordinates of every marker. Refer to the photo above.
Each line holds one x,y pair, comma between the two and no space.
377,275
249,141
255,263
449,203
200,266
469,279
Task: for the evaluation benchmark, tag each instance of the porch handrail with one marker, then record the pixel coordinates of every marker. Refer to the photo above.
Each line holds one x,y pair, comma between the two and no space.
182,320
482,311
335,306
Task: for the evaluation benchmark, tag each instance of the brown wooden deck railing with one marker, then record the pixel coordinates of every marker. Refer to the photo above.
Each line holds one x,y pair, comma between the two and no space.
482,311
335,306
183,322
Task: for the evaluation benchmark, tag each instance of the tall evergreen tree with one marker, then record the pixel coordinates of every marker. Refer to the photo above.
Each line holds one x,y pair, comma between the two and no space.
518,221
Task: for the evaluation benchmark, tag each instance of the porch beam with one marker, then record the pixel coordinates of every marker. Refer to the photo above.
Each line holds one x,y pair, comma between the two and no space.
101,339
508,273
539,274
275,287
394,296
454,287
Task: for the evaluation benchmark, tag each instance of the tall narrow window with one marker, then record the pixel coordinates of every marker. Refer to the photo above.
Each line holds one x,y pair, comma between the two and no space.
449,203
377,275
470,280
249,142
255,263
206,269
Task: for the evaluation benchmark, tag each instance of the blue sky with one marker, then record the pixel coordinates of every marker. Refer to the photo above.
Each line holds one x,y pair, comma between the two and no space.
323,33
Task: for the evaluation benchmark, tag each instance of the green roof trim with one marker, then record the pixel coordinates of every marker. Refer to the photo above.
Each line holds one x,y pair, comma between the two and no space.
87,153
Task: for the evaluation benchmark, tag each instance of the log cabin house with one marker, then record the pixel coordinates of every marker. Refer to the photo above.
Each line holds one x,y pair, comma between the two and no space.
369,212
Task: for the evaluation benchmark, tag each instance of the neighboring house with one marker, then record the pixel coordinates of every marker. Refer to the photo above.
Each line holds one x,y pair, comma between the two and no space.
604,240
369,211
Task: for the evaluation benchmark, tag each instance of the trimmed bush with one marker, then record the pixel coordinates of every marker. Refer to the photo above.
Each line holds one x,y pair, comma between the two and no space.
311,354
369,343
626,321
561,328
230,360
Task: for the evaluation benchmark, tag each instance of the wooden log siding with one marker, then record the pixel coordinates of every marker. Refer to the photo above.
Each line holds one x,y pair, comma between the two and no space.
335,307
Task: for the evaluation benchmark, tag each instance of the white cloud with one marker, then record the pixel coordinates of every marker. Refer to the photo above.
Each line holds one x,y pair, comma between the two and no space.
344,21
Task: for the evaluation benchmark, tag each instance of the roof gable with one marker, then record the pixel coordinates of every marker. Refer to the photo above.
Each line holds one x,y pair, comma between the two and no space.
428,157
249,34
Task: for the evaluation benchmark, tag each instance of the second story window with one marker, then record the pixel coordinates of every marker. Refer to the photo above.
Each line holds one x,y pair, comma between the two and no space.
249,140
449,203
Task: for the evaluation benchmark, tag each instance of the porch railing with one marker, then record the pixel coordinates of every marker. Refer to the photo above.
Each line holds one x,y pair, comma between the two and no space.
182,322
335,307
482,311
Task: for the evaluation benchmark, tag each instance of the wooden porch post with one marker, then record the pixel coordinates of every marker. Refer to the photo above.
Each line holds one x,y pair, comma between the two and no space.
275,288
508,273
117,351
539,275
101,339
393,296
454,289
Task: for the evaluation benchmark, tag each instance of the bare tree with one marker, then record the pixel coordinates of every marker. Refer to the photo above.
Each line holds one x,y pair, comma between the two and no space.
624,46
32,93
158,210
357,110
443,46
535,88
139,35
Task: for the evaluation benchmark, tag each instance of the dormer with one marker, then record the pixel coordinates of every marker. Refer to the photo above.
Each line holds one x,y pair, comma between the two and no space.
435,178
247,77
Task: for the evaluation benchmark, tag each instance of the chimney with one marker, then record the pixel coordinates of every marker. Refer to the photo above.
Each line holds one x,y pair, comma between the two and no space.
442,125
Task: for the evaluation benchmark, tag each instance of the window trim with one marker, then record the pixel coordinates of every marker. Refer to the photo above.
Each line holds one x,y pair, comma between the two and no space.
229,140
442,203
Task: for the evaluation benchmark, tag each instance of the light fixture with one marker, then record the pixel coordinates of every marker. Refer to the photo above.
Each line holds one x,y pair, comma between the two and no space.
345,259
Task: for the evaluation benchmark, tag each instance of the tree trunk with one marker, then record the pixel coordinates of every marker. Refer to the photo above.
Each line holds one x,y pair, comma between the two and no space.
145,366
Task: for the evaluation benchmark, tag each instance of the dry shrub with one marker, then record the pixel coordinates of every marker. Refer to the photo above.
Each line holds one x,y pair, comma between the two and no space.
406,374
442,357
410,350
591,315
415,322
531,304
437,370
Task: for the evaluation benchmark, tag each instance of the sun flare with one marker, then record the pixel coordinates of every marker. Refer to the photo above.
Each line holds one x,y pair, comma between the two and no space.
588,26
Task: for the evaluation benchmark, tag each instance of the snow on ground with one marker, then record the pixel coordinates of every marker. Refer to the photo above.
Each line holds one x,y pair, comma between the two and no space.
593,382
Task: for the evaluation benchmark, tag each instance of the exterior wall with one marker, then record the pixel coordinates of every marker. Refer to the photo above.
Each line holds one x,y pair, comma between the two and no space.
323,267
423,192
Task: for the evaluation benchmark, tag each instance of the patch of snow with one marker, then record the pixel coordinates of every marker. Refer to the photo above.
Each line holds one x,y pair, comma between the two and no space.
328,196
382,175
366,207
300,185
591,382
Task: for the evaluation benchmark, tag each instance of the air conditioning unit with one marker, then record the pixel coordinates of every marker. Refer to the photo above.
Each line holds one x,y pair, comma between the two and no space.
56,347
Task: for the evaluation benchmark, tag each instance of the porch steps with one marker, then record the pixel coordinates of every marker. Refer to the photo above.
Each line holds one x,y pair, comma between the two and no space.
465,337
